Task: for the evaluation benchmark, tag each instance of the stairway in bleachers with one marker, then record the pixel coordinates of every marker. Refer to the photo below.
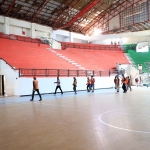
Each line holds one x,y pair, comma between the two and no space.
67,59
95,59
30,55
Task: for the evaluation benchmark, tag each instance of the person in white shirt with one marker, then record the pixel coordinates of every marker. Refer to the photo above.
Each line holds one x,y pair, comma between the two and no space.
58,86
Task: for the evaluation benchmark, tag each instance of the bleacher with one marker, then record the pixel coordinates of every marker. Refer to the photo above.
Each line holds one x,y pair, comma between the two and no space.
95,59
140,58
30,55
21,54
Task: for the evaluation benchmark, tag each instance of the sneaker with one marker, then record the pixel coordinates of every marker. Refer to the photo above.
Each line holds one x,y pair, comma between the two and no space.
40,99
61,93
31,99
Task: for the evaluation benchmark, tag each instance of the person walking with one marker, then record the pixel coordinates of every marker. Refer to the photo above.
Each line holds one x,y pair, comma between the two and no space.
140,81
74,85
137,81
117,82
124,84
35,88
58,86
92,83
128,81
88,84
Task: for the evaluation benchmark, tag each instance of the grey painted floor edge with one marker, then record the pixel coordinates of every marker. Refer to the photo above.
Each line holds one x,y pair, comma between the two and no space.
103,120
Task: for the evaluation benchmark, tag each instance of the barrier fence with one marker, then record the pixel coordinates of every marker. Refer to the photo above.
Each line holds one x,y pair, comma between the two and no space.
64,73
90,46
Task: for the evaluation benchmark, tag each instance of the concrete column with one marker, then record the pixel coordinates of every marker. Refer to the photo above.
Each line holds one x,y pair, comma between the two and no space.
53,35
33,30
71,37
6,25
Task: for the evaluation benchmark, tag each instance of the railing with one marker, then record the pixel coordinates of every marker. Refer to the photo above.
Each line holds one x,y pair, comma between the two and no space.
63,73
90,46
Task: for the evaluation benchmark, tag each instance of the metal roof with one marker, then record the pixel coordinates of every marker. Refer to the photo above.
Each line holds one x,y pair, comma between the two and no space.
80,16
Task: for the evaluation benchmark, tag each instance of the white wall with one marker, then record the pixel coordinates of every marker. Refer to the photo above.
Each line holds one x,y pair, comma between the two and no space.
66,36
122,38
60,38
1,27
11,79
23,86
18,30
15,26
55,44
46,85
142,47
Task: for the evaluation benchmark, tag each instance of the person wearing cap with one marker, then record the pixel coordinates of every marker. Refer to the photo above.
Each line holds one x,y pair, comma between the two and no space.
35,88
74,85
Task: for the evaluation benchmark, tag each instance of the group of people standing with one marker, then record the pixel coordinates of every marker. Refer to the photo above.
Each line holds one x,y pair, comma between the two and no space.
90,86
126,83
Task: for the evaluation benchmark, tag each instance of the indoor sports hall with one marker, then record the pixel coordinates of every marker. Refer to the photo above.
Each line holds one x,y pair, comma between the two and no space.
74,75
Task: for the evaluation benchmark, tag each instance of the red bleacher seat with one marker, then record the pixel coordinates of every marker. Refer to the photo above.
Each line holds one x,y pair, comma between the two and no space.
30,55
95,59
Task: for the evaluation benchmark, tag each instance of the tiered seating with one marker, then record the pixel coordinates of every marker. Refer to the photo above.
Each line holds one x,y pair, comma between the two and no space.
65,45
19,38
95,59
30,55
140,58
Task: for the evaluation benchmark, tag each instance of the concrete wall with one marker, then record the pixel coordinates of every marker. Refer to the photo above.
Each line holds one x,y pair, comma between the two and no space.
46,85
11,79
15,26
123,38
23,86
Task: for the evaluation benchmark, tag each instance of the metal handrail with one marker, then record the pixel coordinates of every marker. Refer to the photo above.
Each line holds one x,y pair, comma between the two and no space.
26,72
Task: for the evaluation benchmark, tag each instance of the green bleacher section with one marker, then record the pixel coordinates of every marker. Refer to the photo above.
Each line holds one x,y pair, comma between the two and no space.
127,47
140,58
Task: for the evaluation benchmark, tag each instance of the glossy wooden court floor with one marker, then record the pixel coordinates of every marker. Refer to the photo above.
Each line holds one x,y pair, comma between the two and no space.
103,120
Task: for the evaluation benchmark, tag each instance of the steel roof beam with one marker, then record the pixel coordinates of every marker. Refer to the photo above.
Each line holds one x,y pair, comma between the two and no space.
10,8
109,15
81,13
40,8
96,9
63,11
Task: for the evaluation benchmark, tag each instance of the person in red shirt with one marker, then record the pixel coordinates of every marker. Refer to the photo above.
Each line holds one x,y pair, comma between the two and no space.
117,81
88,84
124,84
35,88
128,83
92,83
